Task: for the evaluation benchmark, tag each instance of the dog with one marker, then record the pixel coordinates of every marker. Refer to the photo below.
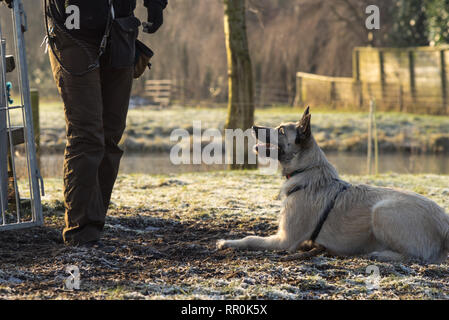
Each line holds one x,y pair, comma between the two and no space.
345,220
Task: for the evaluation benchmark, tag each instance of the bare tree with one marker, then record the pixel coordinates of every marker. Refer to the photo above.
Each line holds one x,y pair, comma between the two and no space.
351,13
240,76
285,36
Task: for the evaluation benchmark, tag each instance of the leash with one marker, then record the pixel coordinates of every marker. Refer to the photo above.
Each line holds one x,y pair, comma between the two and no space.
95,62
323,216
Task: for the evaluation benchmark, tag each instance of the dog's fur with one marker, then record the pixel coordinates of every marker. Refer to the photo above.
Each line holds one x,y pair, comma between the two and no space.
381,223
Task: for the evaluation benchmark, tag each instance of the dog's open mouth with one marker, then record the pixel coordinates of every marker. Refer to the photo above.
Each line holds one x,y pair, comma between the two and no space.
267,149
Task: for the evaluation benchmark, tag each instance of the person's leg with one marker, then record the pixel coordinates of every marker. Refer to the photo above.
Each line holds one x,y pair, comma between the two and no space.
83,106
116,91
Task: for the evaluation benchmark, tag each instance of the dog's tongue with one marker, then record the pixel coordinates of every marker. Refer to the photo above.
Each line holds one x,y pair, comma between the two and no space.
261,147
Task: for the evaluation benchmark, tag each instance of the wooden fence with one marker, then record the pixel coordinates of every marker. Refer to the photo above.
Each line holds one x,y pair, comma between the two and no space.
400,79
159,91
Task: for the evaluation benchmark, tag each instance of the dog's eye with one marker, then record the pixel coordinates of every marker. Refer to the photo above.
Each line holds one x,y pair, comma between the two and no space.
281,131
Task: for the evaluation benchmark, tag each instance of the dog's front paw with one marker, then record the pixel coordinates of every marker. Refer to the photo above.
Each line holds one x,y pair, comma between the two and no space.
222,244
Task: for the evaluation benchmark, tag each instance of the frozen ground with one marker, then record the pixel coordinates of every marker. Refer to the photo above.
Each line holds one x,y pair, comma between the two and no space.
164,229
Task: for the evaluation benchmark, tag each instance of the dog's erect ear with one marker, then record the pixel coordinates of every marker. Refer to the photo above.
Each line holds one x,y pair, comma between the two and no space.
305,124
306,113
303,130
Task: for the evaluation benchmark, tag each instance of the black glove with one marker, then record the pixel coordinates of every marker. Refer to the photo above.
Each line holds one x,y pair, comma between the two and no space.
8,2
155,16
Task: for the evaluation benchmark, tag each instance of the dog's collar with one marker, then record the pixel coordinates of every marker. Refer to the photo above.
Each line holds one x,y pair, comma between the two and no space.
296,172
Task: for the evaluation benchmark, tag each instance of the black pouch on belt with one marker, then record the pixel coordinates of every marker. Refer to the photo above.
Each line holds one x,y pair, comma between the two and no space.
122,42
142,59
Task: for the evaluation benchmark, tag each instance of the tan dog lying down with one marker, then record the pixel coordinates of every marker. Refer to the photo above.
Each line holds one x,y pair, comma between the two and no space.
346,220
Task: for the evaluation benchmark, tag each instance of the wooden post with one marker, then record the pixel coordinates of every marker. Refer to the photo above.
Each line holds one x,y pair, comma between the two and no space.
401,98
299,98
376,143
411,69
372,135
382,73
357,91
34,93
370,138
333,95
443,81
356,64
183,92
357,86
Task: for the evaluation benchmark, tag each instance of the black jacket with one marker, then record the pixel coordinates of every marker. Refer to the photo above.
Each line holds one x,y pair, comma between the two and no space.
94,14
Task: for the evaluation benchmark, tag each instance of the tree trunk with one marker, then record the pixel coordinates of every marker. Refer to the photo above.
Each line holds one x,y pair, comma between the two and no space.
240,77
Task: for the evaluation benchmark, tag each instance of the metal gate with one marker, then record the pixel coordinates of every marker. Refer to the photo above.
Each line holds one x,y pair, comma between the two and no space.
20,184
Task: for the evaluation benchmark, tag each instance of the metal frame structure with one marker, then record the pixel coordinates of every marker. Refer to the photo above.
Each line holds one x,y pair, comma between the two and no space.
13,215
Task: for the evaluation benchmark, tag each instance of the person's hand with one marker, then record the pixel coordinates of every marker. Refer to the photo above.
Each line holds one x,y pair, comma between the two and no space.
8,2
155,17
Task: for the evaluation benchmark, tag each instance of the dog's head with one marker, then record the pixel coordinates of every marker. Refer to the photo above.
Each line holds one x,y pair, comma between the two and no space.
290,140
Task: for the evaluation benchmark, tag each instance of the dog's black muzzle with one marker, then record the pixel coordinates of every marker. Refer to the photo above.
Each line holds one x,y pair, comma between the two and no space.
262,131
262,135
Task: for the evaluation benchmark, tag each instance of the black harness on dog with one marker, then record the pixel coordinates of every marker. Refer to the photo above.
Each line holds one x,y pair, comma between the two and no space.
323,216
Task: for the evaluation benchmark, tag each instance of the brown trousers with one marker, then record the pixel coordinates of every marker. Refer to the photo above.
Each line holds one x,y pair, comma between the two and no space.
95,106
